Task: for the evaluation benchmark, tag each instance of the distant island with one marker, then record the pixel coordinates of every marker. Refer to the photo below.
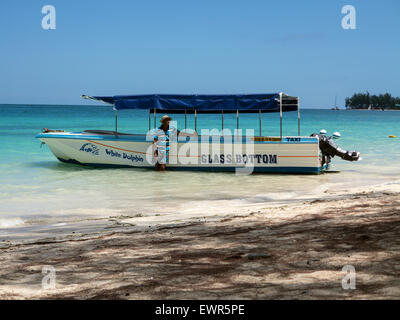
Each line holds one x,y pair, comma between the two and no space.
373,102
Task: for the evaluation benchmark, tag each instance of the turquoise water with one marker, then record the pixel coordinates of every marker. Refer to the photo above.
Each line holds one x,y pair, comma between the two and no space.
35,187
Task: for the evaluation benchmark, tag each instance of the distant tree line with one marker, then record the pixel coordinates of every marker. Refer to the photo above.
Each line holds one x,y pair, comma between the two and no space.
367,101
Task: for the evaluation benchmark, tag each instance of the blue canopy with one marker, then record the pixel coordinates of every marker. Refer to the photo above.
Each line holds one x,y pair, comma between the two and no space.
203,103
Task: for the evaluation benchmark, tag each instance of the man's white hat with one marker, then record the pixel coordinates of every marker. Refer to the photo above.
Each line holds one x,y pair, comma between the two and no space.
323,131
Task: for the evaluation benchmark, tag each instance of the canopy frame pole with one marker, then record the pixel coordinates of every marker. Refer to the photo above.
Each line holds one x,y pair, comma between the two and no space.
116,122
185,119
155,116
237,120
195,120
222,119
259,114
280,111
298,116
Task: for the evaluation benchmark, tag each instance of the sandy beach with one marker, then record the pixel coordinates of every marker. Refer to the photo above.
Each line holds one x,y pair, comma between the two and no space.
293,251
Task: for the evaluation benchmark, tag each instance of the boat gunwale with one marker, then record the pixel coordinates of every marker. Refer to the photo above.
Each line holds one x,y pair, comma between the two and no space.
139,138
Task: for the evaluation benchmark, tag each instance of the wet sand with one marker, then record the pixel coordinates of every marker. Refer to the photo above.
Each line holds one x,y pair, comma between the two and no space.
293,251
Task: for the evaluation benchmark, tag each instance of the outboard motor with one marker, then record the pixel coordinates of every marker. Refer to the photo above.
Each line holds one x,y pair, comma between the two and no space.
330,149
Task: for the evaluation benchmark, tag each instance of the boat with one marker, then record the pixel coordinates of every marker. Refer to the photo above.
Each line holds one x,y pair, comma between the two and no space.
219,151
335,107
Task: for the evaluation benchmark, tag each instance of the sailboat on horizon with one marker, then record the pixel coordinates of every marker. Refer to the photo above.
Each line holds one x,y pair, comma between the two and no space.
336,107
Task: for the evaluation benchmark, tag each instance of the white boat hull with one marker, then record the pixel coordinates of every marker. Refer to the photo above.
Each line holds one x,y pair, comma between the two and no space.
258,154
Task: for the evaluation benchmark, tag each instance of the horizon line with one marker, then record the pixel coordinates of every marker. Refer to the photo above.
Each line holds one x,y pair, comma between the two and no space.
105,105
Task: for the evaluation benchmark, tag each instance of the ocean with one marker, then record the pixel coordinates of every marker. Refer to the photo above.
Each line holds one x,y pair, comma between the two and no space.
36,188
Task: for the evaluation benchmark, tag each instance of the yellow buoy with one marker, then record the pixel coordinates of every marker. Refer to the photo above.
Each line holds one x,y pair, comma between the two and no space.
392,136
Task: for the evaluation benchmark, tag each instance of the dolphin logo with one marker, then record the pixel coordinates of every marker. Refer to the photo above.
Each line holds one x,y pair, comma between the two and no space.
91,148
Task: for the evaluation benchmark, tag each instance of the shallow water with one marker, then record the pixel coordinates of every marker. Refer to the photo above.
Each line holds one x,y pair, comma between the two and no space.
35,187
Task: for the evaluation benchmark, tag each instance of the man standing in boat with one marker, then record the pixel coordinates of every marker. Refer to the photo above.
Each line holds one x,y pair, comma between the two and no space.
163,135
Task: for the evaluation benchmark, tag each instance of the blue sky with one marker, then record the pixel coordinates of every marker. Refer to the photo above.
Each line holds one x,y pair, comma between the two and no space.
137,47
